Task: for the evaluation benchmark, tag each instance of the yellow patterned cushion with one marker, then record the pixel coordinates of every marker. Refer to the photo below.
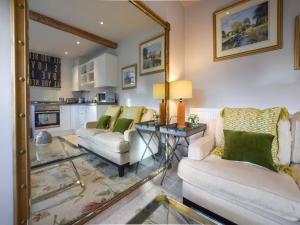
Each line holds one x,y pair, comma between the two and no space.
114,112
132,112
254,120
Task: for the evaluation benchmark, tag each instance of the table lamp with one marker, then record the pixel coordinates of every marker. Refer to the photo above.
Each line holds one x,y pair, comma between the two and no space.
181,89
159,93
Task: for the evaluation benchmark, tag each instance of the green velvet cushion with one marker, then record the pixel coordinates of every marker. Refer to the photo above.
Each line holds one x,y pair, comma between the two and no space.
250,147
103,122
122,125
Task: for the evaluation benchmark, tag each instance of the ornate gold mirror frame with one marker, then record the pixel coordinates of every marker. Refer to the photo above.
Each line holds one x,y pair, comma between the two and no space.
19,10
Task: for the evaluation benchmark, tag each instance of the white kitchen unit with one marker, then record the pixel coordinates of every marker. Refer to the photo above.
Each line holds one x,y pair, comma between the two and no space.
73,117
91,113
105,70
101,109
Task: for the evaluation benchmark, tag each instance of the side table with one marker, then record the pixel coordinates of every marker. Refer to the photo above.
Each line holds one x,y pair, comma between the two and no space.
171,130
151,128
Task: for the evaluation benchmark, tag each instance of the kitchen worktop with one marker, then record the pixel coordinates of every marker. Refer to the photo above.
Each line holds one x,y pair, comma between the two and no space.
64,103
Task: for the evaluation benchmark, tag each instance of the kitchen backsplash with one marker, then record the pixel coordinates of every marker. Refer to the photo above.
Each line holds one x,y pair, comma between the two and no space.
90,95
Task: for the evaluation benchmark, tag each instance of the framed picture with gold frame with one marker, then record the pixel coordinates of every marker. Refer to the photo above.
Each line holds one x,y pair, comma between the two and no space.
129,77
297,43
152,58
247,27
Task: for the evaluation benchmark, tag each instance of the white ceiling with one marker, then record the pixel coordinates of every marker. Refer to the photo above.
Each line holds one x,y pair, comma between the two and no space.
121,19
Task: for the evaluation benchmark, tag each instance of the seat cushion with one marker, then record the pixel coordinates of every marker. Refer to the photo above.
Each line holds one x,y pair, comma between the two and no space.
296,170
276,193
111,140
88,133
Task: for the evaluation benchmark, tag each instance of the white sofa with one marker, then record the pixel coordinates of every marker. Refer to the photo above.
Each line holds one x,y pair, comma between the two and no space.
120,149
241,192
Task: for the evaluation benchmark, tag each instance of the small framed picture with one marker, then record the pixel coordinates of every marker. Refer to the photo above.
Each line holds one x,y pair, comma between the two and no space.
129,77
247,27
152,55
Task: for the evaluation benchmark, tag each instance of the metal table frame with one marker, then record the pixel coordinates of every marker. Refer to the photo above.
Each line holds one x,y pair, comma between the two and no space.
59,161
172,131
151,128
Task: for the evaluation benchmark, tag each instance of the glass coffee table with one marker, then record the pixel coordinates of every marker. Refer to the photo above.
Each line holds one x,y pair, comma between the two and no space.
165,210
58,152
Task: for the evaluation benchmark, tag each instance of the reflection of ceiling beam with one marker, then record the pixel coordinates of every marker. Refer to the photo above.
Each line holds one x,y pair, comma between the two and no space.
70,29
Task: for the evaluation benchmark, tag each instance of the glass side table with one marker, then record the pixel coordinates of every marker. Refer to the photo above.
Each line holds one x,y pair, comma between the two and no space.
171,131
152,128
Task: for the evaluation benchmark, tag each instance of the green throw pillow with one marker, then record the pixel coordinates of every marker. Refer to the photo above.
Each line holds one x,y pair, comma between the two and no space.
103,122
122,125
250,147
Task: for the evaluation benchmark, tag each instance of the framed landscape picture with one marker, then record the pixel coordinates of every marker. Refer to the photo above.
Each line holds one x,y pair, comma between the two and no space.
247,27
129,76
152,56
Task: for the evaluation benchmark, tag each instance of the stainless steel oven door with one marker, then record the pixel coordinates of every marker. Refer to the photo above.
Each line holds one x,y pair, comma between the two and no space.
47,119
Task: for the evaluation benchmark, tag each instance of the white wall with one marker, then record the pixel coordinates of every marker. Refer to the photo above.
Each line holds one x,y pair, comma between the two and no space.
128,54
6,87
173,12
53,94
262,80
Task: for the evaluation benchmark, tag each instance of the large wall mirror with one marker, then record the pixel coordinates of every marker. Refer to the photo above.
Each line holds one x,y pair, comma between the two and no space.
97,70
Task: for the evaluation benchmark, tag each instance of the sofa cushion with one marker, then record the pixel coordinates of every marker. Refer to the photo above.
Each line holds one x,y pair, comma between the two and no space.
249,147
249,184
132,112
296,170
114,112
112,140
147,115
88,133
103,122
296,138
122,125
284,138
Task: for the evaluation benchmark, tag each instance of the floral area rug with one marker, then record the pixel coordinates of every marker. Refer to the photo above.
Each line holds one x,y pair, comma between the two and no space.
101,182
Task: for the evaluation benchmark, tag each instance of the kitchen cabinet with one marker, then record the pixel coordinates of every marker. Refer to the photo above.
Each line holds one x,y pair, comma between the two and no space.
91,113
105,71
65,120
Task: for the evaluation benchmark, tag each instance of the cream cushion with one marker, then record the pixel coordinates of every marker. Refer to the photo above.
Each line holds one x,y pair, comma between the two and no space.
275,193
132,112
111,141
284,134
88,133
113,112
148,115
296,169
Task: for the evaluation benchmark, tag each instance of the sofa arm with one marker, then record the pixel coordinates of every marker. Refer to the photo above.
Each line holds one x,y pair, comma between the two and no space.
92,124
199,149
128,134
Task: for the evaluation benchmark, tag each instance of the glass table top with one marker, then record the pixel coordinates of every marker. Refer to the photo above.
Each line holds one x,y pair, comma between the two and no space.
165,210
57,151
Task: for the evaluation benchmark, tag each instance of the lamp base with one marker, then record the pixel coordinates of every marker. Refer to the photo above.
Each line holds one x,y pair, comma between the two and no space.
162,113
180,115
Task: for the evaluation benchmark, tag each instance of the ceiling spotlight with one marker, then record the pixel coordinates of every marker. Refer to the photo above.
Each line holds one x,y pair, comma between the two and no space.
101,22
66,53
227,13
78,42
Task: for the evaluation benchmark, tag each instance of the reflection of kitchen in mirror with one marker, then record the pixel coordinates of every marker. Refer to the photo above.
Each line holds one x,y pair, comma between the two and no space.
91,91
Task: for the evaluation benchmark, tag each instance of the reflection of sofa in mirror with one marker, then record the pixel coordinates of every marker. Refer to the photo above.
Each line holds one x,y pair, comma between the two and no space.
120,149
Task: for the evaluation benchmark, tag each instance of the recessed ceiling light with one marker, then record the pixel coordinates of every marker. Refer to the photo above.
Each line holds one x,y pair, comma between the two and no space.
66,53
78,42
101,22
227,12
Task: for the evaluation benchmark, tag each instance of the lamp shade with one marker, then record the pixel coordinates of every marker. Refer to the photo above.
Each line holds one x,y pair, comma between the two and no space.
181,89
159,91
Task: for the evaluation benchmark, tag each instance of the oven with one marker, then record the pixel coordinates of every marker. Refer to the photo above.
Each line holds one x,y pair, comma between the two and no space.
46,116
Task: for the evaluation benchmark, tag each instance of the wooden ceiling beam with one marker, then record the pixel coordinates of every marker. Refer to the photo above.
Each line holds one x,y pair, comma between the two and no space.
70,29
